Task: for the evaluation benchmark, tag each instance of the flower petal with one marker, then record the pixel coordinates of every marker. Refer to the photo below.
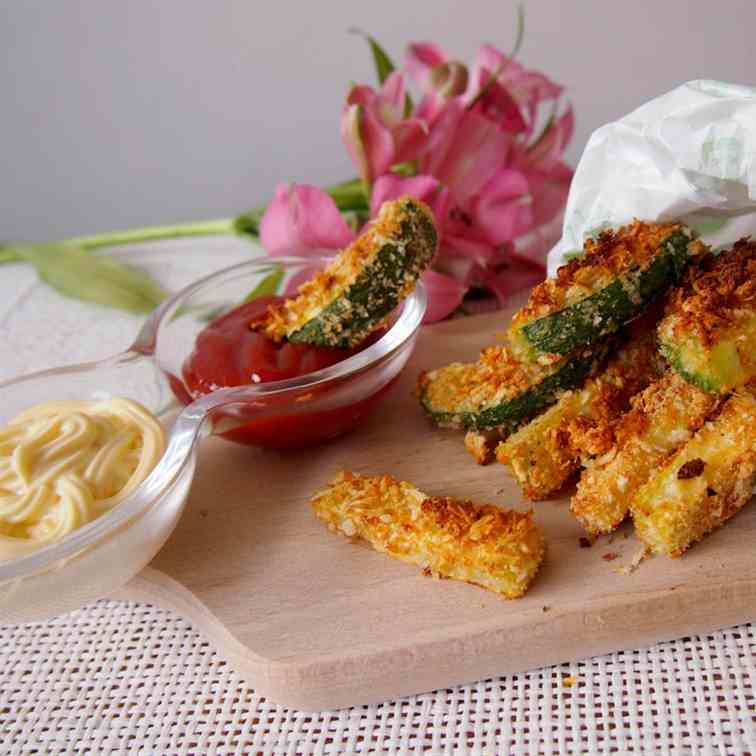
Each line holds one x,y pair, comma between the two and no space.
515,98
497,105
302,220
549,192
391,99
362,94
425,188
461,255
446,117
516,276
444,295
503,210
548,150
421,59
368,141
478,150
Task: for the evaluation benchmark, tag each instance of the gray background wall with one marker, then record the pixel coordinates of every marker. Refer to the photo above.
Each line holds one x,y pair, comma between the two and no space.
118,113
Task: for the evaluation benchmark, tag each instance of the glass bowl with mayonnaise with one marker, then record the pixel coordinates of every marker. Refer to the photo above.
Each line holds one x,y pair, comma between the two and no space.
97,459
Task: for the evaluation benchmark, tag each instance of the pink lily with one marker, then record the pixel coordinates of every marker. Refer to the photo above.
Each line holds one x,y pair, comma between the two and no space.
374,129
508,87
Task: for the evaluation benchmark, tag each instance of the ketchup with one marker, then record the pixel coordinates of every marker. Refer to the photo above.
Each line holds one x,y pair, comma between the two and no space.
228,353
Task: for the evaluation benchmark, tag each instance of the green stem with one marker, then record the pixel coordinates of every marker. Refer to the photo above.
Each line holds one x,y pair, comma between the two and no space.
9,255
153,233
350,197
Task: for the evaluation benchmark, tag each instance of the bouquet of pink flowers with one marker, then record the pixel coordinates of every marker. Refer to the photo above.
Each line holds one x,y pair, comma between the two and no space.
481,146
477,148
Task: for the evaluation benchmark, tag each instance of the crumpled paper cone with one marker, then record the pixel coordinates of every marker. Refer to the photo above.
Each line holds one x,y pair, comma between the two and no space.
688,155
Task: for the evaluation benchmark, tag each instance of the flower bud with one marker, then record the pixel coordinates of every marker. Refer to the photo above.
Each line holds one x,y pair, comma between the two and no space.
449,79
351,128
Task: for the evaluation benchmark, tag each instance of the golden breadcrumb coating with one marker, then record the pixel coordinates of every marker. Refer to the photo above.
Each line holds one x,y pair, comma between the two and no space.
496,377
614,252
704,484
661,419
477,543
709,331
546,452
715,295
284,318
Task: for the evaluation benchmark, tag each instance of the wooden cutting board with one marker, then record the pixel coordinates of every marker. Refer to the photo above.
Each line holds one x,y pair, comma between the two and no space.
314,621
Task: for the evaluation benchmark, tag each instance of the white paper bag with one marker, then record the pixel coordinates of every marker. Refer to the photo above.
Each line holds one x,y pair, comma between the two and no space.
688,155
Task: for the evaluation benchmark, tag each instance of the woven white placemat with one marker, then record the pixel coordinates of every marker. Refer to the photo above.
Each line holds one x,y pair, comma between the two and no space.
123,677
128,678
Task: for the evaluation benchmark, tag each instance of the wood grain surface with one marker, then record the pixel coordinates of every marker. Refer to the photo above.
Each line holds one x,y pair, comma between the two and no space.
314,621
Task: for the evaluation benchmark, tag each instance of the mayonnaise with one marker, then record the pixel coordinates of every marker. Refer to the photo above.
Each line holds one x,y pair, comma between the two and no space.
64,463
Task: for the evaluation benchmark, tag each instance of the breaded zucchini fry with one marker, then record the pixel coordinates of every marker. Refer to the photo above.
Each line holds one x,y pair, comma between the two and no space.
498,390
709,333
343,304
703,485
661,419
621,273
546,452
481,444
480,544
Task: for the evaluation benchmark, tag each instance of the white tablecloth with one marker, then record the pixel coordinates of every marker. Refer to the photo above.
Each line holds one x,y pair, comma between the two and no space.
123,677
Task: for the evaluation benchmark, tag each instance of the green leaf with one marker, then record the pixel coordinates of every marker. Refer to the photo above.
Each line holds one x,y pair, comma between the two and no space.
249,223
407,168
520,33
383,63
349,195
267,287
93,278
8,253
384,66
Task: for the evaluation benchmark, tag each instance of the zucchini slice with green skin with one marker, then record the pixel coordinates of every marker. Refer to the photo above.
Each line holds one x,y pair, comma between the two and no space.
498,390
709,332
543,454
621,273
341,305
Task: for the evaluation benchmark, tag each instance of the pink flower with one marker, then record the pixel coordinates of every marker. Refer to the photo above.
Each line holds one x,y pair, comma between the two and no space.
302,220
374,129
486,147
504,94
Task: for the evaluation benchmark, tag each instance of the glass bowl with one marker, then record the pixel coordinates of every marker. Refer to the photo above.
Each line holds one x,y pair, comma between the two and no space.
100,557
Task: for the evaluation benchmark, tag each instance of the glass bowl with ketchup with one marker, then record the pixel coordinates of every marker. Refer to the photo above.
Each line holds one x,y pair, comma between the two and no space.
199,368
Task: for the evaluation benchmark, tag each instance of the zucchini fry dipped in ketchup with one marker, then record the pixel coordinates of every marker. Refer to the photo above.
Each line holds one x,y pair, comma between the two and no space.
339,312
342,305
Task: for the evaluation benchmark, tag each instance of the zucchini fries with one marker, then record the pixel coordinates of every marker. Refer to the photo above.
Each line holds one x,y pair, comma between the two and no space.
481,544
347,301
546,452
703,485
616,279
498,390
709,332
661,419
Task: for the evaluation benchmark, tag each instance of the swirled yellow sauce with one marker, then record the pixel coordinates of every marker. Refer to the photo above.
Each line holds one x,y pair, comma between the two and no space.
64,463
